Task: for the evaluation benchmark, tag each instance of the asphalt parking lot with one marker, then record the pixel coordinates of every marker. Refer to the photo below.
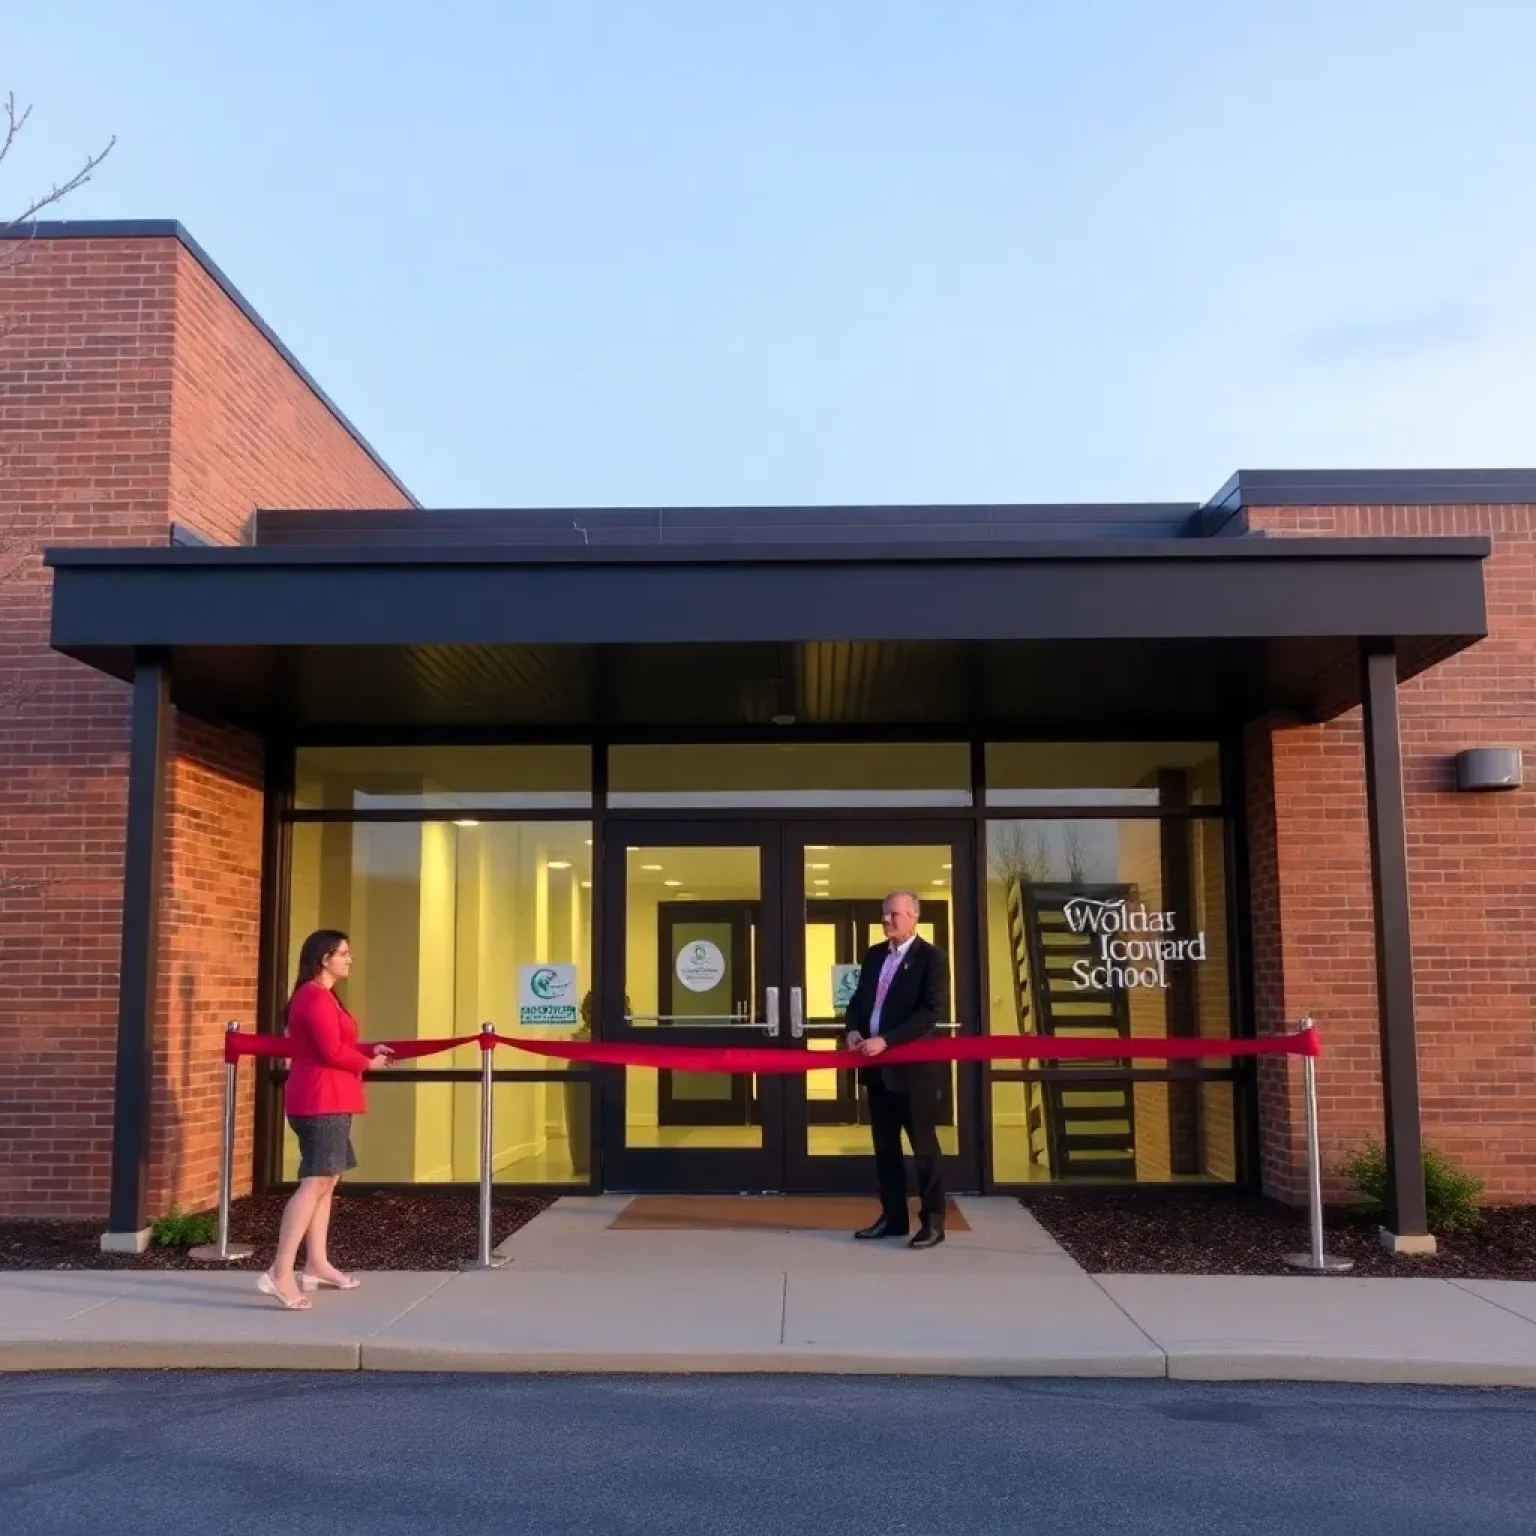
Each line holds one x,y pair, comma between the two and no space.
211,1452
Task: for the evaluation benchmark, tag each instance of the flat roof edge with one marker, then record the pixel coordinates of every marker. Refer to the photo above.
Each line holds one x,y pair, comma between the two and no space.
1425,547
1374,488
173,229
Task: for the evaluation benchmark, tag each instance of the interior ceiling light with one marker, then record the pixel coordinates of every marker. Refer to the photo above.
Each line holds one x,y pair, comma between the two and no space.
818,866
559,864
672,882
651,869
466,823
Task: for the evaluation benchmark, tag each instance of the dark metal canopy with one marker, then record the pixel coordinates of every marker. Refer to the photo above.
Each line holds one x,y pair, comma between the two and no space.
1107,634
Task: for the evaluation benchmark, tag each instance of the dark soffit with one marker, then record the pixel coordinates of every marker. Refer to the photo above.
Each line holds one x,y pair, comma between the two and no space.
1217,630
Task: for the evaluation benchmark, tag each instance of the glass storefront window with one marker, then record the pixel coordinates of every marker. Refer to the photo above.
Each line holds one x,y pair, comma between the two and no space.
1108,920
1110,928
1162,774
429,1133
1030,1120
787,774
442,778
442,916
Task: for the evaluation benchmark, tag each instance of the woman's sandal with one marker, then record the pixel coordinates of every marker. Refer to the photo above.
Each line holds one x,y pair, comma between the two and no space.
268,1287
314,1282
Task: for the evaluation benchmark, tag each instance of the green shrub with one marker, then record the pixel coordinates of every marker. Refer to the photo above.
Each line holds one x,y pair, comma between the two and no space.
186,1229
1450,1195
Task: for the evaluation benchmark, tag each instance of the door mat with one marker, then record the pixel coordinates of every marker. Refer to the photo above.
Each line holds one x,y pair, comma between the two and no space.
759,1213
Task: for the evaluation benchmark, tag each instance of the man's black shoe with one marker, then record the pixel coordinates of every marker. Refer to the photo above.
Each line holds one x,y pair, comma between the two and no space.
882,1228
929,1235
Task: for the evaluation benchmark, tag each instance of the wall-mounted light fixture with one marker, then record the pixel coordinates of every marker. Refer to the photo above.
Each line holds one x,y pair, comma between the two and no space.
1481,769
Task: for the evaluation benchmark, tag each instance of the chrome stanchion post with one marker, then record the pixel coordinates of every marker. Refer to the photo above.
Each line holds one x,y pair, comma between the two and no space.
484,1258
1316,1261
221,1251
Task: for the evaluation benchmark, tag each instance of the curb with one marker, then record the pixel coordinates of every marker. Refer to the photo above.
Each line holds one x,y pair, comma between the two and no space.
786,1361
1352,1370
38,1355
45,1354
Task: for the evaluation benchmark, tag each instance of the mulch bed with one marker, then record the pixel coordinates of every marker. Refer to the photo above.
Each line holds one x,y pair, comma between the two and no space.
425,1231
1182,1232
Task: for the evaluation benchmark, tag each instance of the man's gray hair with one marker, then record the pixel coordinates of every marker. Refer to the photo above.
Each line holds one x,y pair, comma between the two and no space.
912,896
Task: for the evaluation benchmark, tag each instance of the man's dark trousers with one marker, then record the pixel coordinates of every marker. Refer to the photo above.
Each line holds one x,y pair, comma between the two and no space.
915,1113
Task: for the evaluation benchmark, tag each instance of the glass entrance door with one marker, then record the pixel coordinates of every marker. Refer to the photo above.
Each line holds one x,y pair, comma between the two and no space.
694,955
836,879
738,933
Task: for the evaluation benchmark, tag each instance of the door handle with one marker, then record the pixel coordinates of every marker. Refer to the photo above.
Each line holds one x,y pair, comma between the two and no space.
796,1012
772,1026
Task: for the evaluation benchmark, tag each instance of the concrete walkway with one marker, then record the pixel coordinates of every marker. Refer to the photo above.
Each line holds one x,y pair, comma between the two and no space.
1000,1300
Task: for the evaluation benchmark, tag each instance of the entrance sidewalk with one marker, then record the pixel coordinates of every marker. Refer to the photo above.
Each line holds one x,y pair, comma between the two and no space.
1000,1300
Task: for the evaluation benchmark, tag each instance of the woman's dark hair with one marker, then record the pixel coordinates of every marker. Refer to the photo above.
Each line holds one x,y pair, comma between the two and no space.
313,953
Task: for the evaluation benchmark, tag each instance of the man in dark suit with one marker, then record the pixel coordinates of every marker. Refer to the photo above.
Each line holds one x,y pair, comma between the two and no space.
903,992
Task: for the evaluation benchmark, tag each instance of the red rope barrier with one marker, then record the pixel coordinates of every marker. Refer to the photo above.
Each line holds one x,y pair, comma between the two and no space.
280,1047
759,1059
765,1059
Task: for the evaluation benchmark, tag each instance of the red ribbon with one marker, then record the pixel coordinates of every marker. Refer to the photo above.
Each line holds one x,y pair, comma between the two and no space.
764,1059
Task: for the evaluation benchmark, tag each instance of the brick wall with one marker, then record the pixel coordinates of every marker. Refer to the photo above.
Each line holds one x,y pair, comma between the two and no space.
85,387
211,918
133,393
246,430
1472,869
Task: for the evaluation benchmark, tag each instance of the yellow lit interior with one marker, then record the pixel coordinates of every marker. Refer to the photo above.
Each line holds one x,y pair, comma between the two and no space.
441,915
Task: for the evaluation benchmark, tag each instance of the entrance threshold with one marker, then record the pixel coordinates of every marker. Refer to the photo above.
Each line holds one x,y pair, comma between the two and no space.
757,1213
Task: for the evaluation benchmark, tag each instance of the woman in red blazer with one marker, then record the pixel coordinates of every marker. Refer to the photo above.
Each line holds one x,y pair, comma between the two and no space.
323,1092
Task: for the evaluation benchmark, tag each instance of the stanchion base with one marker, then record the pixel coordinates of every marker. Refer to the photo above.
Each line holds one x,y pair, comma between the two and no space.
1330,1266
208,1253
497,1261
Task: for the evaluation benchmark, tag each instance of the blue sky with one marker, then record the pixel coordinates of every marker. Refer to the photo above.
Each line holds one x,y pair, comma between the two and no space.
655,252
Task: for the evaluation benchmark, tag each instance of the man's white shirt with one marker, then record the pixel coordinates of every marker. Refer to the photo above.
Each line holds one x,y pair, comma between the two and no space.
900,952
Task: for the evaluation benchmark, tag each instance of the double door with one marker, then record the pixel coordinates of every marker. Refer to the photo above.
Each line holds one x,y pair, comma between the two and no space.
732,933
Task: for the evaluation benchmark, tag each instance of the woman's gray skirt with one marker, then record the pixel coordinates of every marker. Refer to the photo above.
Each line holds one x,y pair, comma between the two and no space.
325,1145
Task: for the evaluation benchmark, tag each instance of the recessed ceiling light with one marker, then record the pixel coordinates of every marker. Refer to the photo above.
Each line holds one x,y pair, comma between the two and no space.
672,882
588,842
651,869
946,866
941,882
818,866
586,885
559,864
818,847
466,823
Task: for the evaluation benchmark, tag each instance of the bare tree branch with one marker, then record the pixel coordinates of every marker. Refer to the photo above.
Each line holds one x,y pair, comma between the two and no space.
13,123
23,225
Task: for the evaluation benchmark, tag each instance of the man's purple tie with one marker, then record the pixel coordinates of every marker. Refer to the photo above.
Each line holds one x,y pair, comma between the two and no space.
887,971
